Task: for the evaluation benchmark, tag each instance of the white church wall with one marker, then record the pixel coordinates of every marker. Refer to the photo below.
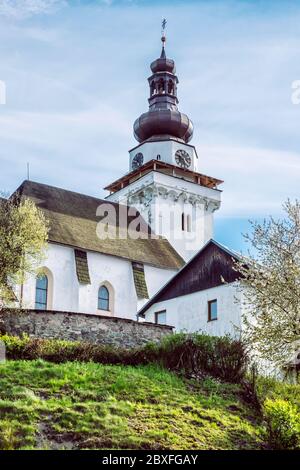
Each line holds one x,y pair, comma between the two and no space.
189,313
155,279
118,273
207,226
66,294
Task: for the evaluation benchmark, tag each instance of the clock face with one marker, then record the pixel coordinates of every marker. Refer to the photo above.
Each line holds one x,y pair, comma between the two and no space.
183,159
137,161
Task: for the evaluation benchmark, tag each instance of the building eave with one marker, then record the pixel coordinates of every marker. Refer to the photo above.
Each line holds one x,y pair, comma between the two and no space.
163,139
165,168
124,258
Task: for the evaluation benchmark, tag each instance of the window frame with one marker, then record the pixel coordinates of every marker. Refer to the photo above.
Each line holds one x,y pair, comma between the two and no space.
103,286
210,303
44,305
156,314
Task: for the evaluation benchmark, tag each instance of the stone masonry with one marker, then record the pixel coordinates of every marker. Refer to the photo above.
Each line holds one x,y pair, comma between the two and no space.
96,329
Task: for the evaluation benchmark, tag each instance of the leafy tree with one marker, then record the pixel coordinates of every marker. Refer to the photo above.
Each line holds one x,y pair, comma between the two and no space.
271,282
23,238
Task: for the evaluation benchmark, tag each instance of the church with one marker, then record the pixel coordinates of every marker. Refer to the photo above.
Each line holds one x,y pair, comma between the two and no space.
145,252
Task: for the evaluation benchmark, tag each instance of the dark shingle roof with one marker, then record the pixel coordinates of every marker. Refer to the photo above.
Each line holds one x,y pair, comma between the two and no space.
73,222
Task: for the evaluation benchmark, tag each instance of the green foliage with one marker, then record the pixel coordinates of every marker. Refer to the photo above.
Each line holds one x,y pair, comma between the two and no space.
8,440
268,387
59,351
283,424
201,354
271,279
94,406
194,355
23,237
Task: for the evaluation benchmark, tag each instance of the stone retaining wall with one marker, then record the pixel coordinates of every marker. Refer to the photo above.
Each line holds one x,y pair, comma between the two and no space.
97,329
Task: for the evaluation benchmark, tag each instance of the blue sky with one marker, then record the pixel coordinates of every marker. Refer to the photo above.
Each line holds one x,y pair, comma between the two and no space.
76,72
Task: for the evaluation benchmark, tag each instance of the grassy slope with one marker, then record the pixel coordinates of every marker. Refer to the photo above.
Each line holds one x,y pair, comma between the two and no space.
76,405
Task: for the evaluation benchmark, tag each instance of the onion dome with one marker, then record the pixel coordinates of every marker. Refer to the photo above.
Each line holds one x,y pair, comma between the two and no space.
163,123
163,64
163,120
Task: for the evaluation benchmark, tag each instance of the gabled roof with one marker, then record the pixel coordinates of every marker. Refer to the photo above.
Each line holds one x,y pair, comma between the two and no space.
210,267
73,222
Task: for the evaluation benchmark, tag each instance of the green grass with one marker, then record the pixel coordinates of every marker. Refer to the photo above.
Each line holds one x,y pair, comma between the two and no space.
94,406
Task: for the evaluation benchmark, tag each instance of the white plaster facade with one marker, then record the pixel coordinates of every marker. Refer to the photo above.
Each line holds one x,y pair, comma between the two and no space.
66,294
163,200
189,313
164,150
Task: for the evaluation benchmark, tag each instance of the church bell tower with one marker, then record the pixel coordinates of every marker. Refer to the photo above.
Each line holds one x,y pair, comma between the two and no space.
163,181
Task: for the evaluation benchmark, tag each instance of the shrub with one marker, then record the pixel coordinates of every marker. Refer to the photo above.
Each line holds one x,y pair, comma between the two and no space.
59,351
194,355
200,354
269,387
283,424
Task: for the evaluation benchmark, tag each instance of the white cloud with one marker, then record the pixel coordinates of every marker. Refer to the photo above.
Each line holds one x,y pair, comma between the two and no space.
63,148
256,181
21,9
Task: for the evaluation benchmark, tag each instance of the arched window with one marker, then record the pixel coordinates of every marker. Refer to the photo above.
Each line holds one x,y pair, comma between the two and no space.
170,87
161,86
41,292
182,221
188,223
152,88
103,298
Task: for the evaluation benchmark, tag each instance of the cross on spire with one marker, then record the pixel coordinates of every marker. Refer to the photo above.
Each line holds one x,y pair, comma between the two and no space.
163,30
163,37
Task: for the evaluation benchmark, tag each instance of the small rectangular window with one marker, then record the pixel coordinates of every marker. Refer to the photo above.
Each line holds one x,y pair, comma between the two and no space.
212,310
161,317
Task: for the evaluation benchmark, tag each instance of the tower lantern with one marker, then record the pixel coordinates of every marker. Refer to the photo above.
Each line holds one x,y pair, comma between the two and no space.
163,120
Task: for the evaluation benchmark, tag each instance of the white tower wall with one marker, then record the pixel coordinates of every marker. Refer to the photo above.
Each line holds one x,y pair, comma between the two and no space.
164,201
164,151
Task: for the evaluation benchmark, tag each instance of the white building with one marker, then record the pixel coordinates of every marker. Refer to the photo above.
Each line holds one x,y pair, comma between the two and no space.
111,256
204,296
89,274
